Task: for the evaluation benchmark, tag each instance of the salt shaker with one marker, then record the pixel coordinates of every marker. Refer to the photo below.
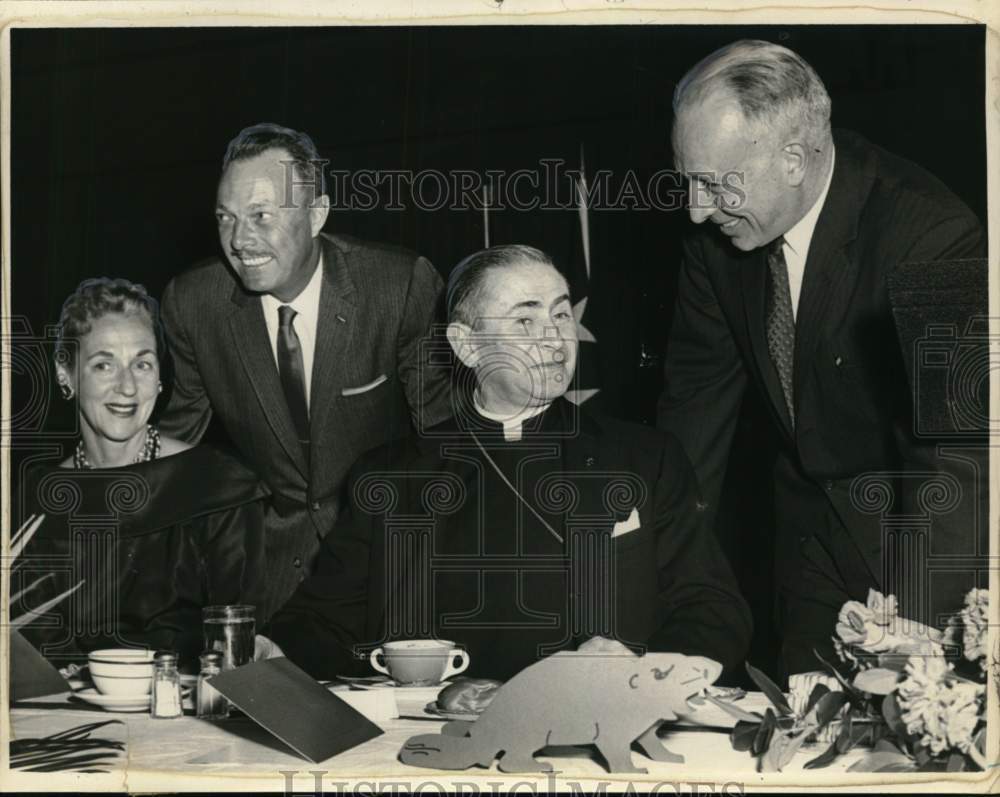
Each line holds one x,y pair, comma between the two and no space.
211,703
166,702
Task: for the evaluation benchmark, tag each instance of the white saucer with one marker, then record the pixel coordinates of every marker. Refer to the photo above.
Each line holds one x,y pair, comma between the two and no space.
115,703
383,682
432,708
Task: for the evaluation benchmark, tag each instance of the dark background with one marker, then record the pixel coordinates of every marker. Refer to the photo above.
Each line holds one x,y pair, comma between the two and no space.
117,139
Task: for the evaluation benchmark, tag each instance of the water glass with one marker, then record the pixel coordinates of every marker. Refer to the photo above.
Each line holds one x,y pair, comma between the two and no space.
231,631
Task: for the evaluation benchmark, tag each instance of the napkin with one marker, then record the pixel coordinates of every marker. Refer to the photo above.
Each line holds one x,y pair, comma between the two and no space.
31,675
289,704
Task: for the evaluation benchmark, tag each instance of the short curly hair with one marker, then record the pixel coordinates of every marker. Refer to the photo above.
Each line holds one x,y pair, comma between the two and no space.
95,298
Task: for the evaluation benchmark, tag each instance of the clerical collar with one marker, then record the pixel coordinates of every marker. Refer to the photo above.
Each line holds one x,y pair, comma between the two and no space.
511,425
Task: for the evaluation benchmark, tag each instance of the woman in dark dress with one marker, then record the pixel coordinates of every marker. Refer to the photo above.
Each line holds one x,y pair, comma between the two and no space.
154,528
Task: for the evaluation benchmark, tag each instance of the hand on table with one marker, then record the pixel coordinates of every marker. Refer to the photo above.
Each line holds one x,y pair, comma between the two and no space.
264,648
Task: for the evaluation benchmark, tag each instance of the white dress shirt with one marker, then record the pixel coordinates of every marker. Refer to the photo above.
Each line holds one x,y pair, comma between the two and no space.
797,240
305,323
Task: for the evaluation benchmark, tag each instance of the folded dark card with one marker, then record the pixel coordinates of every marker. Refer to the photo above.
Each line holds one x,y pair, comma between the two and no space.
31,675
288,703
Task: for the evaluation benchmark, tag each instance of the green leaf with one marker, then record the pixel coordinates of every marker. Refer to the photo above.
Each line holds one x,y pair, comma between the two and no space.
844,740
829,706
826,758
933,765
765,732
877,681
818,691
883,762
734,711
769,688
857,698
956,762
893,716
859,732
887,746
742,736
26,618
786,723
783,749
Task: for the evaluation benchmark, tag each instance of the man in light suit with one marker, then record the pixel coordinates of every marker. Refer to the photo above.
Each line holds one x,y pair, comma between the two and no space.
306,346
523,524
786,290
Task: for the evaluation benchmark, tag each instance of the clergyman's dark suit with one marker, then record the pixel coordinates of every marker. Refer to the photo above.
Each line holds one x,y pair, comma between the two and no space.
434,543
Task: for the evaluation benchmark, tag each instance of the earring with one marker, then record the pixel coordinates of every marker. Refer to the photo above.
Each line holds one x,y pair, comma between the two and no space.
159,387
66,391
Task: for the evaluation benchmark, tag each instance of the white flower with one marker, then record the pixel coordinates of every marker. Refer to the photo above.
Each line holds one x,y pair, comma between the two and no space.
963,714
975,622
855,622
883,607
876,627
937,707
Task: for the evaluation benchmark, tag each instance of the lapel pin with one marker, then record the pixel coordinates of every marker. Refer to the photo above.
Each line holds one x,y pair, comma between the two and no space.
589,461
341,319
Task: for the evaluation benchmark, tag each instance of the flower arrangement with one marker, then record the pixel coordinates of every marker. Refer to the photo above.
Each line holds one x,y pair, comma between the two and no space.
902,697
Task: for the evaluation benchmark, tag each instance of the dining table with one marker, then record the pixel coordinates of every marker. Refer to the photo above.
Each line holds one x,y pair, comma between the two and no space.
187,753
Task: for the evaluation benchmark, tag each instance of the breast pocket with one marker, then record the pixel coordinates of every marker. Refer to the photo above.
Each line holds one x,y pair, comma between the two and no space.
641,538
361,390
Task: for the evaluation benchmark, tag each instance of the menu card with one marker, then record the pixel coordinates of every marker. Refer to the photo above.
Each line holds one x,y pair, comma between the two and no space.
292,706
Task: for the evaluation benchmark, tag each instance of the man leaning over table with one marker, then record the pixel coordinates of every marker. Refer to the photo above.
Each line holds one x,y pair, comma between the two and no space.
786,290
305,345
524,524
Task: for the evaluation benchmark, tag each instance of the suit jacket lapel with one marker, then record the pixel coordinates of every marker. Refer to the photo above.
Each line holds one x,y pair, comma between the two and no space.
250,340
753,271
829,272
335,333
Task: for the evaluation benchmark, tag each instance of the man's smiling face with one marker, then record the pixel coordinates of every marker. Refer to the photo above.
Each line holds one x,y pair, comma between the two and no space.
737,180
269,238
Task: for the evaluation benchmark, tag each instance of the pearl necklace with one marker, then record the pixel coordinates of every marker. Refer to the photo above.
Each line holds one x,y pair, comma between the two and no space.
150,450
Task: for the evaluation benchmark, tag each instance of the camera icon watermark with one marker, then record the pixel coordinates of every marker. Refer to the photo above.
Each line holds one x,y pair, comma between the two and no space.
951,380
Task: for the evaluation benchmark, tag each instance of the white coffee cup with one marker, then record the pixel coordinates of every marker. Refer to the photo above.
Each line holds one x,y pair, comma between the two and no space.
419,662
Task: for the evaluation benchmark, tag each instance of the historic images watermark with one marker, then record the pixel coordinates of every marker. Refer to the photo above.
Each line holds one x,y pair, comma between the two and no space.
312,782
548,185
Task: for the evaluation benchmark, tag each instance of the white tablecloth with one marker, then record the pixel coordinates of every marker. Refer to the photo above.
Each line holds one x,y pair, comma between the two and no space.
187,753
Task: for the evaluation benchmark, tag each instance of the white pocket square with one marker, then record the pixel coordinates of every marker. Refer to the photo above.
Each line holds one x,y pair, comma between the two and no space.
631,523
353,391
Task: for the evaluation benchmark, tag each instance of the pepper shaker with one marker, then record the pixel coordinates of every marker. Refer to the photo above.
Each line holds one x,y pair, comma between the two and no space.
212,705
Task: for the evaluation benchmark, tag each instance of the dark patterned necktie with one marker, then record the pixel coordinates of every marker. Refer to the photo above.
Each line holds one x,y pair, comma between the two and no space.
293,373
781,321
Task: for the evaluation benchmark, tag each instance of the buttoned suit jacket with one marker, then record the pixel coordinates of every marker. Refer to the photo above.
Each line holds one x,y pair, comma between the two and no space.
377,303
844,463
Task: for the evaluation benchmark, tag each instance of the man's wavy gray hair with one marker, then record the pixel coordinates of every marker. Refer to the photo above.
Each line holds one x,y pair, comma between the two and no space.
774,87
